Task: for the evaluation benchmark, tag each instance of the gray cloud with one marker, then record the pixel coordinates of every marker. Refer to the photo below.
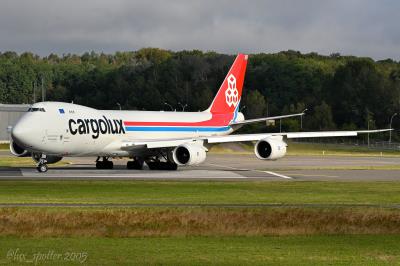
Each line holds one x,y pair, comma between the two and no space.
359,27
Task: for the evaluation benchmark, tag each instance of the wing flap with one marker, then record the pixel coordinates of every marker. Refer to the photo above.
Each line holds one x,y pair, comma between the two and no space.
297,135
238,138
326,134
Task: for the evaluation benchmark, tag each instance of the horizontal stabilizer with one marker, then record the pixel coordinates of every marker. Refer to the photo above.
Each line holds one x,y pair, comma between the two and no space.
249,121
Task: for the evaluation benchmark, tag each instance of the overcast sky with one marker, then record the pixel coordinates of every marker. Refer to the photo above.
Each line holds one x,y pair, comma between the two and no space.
358,27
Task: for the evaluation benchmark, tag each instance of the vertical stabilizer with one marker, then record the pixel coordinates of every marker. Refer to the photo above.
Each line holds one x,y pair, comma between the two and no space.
230,92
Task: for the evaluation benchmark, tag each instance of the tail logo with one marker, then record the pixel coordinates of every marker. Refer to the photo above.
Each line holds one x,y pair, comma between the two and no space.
231,93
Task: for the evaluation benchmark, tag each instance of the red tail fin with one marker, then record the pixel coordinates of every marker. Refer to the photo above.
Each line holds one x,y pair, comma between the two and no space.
230,92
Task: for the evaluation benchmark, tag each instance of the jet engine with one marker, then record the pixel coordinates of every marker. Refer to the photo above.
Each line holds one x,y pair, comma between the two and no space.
18,150
270,149
188,154
49,158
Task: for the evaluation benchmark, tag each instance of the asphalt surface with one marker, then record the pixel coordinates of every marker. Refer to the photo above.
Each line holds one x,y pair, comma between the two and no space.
225,167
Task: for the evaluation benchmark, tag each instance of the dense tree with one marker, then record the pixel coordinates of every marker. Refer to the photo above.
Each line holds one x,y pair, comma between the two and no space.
356,86
322,118
337,90
255,104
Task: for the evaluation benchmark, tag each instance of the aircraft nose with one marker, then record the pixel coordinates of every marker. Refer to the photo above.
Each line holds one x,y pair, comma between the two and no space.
20,134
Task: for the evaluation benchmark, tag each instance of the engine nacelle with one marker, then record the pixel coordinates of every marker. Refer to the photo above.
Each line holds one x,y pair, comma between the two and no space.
270,148
18,150
49,158
189,154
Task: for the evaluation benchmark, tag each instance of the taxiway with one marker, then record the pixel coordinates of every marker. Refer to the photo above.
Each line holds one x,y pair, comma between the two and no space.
228,167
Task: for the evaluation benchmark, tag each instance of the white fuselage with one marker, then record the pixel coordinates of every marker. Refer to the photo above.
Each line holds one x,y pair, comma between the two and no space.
64,129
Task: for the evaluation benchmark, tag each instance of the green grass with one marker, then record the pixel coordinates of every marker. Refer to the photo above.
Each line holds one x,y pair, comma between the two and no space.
198,236
4,146
335,167
293,250
333,149
12,161
9,161
199,192
315,149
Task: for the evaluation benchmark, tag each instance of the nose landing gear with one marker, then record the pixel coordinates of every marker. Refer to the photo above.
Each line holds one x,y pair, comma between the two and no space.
42,165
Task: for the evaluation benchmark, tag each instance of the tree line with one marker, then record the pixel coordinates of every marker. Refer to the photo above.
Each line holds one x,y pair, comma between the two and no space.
339,92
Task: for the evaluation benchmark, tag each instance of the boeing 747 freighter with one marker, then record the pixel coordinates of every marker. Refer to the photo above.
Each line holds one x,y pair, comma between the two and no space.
162,140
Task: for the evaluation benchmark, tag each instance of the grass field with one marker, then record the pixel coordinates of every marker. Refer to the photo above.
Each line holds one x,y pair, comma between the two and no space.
334,167
296,148
344,235
12,161
199,192
204,221
292,250
200,235
331,200
299,149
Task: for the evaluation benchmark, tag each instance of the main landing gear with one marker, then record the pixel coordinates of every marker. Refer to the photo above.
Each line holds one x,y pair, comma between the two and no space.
156,162
137,164
104,164
161,162
162,165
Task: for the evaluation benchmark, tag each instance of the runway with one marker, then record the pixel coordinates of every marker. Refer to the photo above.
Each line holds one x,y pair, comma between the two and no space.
227,167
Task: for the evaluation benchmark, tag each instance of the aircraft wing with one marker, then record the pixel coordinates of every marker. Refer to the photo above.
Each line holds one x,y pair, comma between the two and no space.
166,143
249,121
289,135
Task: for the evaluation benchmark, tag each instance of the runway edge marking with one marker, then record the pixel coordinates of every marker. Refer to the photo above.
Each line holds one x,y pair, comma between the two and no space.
196,174
278,175
243,169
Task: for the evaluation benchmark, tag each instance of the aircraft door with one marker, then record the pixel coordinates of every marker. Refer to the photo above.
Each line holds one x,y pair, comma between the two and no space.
54,136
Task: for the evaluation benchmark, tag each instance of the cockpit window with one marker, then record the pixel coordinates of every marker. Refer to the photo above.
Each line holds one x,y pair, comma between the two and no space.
35,109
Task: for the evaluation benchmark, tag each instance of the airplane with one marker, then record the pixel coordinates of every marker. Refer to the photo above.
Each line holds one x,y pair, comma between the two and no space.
163,140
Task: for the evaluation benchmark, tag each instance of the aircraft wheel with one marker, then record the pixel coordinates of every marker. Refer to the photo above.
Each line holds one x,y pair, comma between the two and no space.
173,166
134,165
104,164
109,165
162,166
42,168
152,165
99,165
